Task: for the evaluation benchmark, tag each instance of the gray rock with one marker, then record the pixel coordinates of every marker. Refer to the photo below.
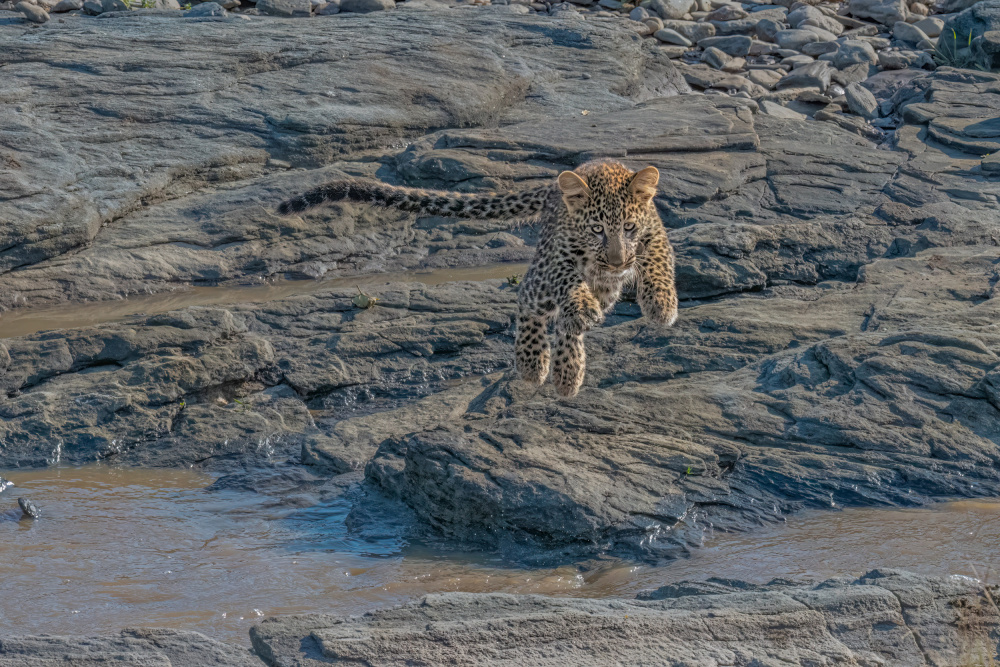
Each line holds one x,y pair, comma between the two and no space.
33,13
794,39
366,6
329,9
885,617
670,9
991,164
734,45
904,59
780,111
931,26
613,5
819,48
802,13
861,102
691,30
135,647
824,23
908,33
886,12
103,218
814,75
67,6
768,29
672,37
29,508
973,22
727,13
93,7
715,58
296,8
638,14
215,9
854,52
797,61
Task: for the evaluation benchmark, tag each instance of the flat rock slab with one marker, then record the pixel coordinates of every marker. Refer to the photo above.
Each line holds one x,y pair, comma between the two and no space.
200,104
135,647
884,617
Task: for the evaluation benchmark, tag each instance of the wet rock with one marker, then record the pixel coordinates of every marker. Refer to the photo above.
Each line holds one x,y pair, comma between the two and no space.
136,647
29,508
886,12
736,45
33,13
904,618
861,102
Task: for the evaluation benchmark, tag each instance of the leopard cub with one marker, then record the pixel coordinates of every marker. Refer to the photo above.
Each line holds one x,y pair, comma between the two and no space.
599,232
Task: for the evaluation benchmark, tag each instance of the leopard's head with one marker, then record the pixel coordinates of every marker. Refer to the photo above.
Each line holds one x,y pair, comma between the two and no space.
612,209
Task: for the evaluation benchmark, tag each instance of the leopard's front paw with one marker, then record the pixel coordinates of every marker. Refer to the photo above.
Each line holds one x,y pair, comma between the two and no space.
661,308
582,316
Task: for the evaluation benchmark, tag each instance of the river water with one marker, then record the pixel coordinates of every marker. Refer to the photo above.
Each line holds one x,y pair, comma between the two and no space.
117,547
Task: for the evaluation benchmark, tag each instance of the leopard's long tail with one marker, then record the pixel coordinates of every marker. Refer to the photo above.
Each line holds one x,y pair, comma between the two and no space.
521,204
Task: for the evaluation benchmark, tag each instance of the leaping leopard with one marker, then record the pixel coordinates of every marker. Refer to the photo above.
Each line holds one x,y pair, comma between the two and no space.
599,232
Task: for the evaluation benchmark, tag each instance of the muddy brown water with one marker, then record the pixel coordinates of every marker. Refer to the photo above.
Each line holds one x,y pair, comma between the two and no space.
27,321
123,547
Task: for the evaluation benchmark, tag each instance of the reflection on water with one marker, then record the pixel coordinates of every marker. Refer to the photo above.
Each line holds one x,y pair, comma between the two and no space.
119,547
29,321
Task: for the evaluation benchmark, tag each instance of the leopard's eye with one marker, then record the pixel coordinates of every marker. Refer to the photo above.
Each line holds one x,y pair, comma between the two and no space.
597,229
629,226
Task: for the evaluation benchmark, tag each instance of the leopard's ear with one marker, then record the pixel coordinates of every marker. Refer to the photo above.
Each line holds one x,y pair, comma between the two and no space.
643,185
574,189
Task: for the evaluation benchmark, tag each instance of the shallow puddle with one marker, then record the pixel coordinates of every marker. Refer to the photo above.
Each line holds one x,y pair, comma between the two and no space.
28,321
118,547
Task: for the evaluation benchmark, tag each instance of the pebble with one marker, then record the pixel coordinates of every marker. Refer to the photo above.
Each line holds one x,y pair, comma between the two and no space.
861,101
727,13
797,61
368,6
67,6
908,33
692,30
206,9
819,48
852,52
29,508
930,26
733,45
777,110
792,38
672,37
33,13
715,57
638,14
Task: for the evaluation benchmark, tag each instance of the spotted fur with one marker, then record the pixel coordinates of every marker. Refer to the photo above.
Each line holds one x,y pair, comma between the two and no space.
600,232
525,203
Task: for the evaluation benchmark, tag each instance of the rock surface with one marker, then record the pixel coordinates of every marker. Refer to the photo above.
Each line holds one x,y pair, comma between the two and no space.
884,617
94,219
135,647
